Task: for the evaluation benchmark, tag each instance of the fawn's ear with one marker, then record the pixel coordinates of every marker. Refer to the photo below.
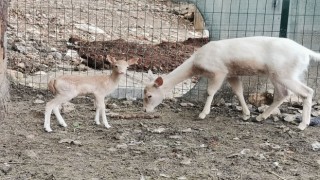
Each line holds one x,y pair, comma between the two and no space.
111,59
158,82
133,61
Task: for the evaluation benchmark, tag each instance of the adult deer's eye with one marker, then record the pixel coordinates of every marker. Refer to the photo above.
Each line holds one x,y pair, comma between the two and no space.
116,66
149,96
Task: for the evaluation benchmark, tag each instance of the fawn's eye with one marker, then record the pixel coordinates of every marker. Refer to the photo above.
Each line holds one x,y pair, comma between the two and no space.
116,66
149,96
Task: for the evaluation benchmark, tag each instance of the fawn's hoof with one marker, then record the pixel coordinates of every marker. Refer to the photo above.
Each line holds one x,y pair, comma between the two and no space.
63,125
48,129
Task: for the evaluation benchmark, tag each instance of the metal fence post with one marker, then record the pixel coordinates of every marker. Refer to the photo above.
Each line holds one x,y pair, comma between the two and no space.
284,18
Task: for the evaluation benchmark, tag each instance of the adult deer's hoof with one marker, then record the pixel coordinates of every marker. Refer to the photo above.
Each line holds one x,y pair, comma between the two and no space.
202,115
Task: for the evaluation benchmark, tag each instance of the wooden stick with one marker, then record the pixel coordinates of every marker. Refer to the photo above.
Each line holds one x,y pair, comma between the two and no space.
277,175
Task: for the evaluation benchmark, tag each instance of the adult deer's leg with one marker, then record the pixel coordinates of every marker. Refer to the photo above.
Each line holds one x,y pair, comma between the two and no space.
214,83
237,88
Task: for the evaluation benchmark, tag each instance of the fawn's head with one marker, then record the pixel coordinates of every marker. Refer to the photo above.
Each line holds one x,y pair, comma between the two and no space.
121,66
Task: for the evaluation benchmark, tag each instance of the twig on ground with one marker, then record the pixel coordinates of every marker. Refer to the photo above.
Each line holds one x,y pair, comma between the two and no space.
277,175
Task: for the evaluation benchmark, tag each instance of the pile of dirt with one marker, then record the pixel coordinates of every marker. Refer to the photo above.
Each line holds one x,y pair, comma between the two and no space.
163,57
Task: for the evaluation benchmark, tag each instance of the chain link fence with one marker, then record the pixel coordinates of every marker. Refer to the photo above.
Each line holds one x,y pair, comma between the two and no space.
51,38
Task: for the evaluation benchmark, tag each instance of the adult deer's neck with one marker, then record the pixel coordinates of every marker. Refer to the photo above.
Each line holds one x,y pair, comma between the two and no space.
181,73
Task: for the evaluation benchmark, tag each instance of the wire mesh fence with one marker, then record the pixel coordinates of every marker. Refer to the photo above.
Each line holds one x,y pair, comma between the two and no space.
51,38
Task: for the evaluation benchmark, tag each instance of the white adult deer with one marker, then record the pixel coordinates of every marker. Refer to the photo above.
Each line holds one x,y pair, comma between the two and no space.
283,60
69,86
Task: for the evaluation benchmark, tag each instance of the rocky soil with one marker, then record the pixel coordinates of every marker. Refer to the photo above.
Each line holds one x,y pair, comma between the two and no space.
174,145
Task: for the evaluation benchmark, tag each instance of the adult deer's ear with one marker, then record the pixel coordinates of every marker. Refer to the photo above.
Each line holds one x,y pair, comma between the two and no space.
111,59
150,75
158,82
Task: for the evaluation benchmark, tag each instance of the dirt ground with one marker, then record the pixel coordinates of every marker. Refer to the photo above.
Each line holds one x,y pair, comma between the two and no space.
174,146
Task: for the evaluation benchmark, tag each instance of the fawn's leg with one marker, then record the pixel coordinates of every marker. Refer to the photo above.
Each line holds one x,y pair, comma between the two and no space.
101,107
97,116
59,117
51,105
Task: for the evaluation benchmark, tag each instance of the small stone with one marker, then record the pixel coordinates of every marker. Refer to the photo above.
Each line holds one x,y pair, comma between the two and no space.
38,101
159,130
30,154
186,161
122,146
20,48
71,55
318,162
112,149
40,73
113,114
315,146
14,75
190,104
52,49
175,137
315,113
187,130
30,136
112,106
289,117
76,142
315,121
275,146
239,108
245,151
142,177
182,178
119,137
164,175
56,55
276,118
203,145
21,65
261,157
68,107
127,103
262,108
89,28
184,104
221,102
276,164
236,138
269,146
6,168
175,100
65,141
81,67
